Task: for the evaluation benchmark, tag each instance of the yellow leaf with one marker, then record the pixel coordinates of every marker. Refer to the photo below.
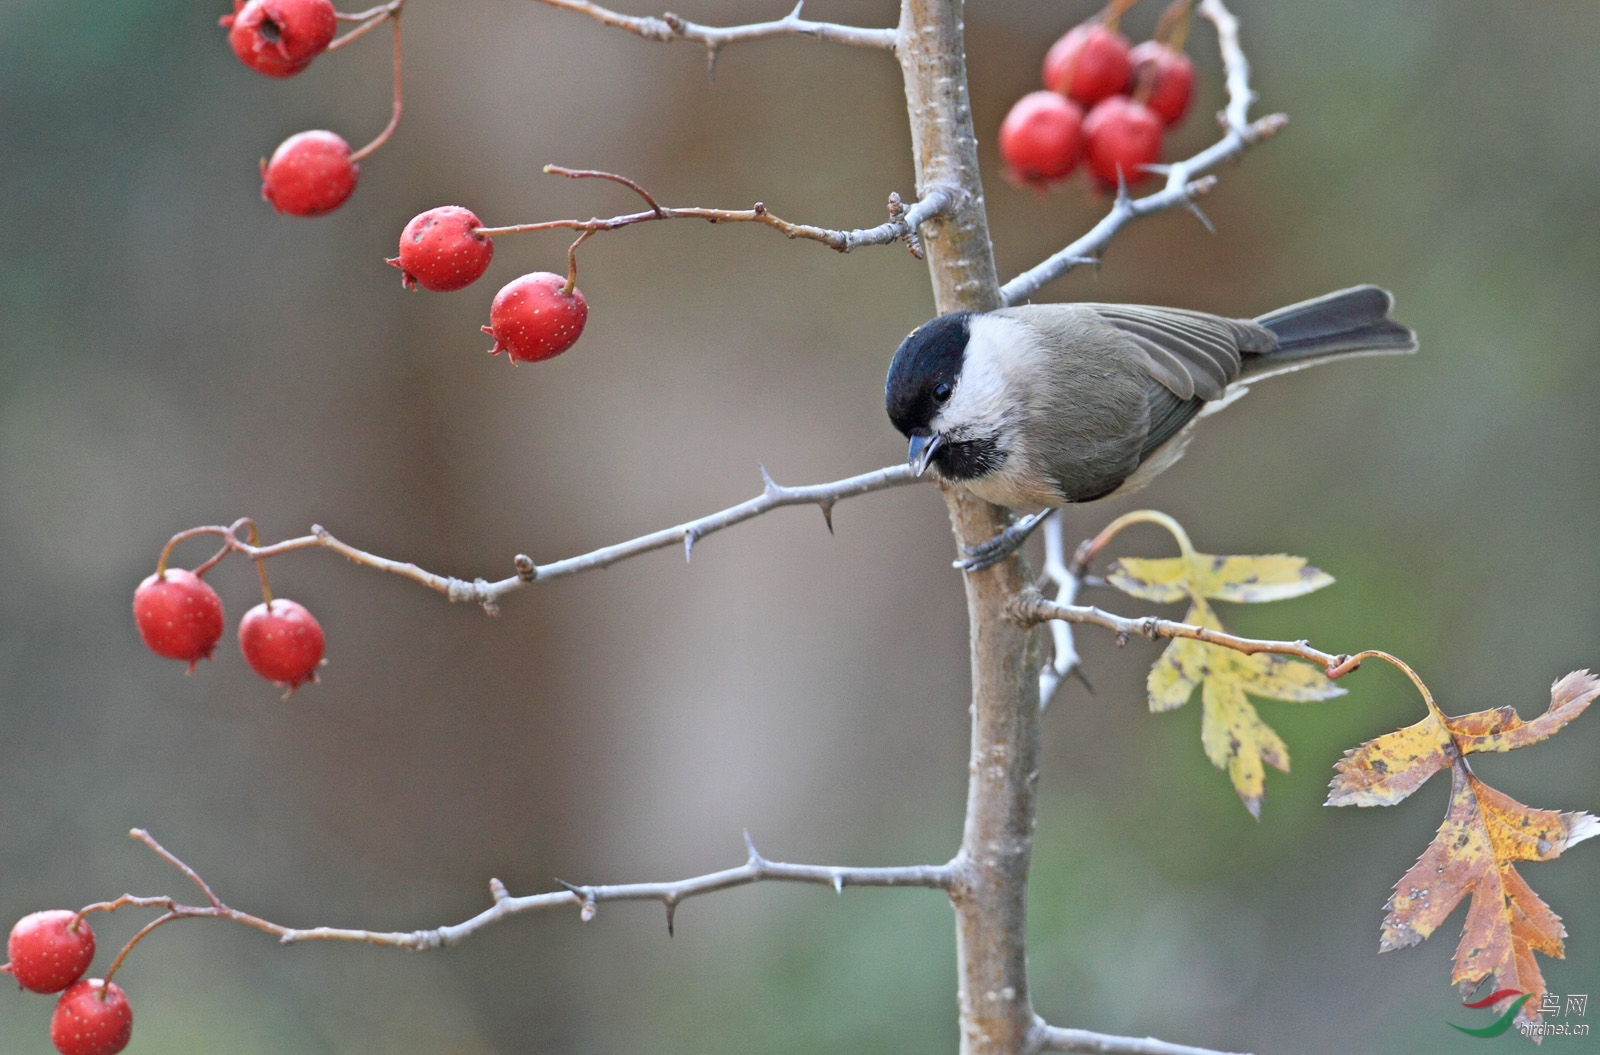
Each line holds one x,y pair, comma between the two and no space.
1231,731
1160,579
1236,739
1272,577
1383,771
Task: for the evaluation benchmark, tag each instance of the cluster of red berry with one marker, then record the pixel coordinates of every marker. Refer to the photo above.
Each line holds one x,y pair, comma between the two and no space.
49,953
1131,95
311,172
534,317
179,617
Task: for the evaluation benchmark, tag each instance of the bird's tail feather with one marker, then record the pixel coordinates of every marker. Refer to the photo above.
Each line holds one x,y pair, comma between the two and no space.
1350,322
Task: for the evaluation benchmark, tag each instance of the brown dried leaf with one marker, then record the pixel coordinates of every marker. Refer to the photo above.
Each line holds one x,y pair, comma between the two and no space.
1483,832
1383,771
1502,730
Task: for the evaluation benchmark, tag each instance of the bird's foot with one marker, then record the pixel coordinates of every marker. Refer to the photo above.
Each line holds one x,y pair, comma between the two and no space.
1002,545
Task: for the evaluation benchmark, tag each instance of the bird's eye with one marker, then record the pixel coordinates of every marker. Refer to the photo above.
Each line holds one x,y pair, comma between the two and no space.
941,391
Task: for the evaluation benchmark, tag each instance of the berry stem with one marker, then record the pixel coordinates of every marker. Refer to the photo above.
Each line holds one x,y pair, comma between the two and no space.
394,117
372,19
1113,13
266,597
195,532
136,939
1172,29
572,264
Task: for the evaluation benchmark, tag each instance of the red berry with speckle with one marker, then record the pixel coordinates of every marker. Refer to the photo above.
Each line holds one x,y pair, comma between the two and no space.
1041,139
179,616
1123,137
1164,78
439,251
282,642
49,950
280,37
310,173
534,318
92,1018
1089,63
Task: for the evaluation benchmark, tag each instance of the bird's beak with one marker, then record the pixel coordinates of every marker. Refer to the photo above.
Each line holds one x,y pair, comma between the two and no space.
922,451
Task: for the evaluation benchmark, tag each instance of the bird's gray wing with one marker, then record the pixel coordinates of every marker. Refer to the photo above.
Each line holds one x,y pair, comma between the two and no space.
1191,354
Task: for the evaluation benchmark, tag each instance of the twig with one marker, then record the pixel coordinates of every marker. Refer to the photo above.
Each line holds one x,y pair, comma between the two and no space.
1183,188
479,591
756,869
903,227
1064,658
1032,607
1054,1038
673,27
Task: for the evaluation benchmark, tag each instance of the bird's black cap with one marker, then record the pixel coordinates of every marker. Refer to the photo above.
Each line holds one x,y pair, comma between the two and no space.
930,355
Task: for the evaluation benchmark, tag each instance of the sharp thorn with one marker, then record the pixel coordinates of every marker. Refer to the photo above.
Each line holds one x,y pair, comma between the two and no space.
838,883
688,546
1077,672
750,845
672,911
827,514
1200,215
768,483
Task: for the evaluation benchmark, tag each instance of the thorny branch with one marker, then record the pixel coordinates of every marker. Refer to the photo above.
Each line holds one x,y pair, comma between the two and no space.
674,27
1054,1038
479,591
756,869
902,225
1183,188
1031,606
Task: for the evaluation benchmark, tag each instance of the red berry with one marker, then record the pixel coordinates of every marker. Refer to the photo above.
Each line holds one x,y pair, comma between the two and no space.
1041,138
310,173
48,951
1123,137
282,642
532,318
179,616
280,37
92,1018
439,251
1089,63
1165,79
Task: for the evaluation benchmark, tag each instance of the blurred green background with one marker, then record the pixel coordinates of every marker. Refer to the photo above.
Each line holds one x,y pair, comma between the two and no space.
173,353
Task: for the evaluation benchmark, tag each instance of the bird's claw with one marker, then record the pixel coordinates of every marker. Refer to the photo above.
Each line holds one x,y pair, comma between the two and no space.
1003,545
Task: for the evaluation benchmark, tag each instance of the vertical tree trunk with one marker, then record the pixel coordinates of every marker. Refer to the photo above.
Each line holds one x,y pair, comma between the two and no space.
990,899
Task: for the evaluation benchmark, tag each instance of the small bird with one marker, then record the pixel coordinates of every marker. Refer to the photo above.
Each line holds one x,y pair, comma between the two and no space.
1045,405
